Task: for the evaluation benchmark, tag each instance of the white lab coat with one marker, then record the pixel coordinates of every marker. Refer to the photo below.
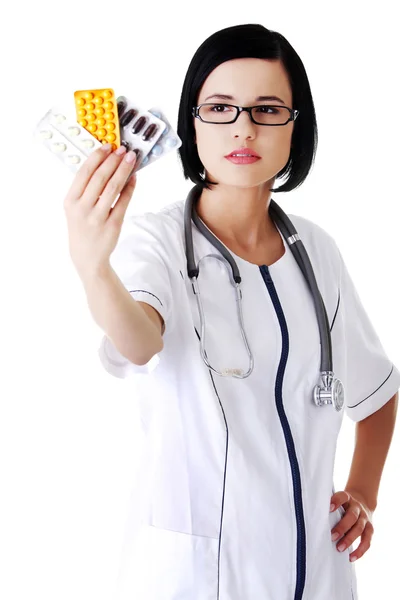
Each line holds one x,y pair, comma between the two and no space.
232,501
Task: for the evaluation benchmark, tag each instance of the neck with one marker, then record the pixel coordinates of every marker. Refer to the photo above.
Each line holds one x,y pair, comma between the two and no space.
238,215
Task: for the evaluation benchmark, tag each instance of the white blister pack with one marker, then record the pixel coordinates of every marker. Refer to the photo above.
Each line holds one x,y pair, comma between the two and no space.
168,141
139,129
64,137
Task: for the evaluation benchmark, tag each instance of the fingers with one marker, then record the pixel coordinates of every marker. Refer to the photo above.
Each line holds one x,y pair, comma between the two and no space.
117,212
365,543
107,181
84,174
350,518
340,498
352,534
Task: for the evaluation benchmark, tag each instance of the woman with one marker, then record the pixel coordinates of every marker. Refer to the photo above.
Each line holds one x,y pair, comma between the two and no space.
237,472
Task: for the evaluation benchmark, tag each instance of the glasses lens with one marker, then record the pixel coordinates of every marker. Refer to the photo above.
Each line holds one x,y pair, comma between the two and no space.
217,113
270,115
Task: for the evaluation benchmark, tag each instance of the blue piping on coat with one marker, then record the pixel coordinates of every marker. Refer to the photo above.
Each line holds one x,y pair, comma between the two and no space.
301,533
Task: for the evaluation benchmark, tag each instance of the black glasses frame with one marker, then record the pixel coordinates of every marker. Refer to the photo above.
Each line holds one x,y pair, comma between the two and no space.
292,112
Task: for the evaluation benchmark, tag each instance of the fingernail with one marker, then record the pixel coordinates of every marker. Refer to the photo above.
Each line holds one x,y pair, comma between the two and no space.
353,558
106,147
130,157
120,150
335,536
341,547
332,507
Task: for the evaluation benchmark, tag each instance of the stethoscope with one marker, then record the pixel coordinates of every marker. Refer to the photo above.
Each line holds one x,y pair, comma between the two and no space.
331,390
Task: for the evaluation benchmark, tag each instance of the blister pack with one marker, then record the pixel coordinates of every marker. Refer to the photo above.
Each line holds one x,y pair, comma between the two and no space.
96,111
140,130
168,141
63,136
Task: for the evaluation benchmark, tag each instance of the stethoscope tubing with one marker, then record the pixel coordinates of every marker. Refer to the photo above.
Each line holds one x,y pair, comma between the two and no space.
296,245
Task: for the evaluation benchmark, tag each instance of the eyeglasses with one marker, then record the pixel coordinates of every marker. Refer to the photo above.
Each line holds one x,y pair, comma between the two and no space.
262,114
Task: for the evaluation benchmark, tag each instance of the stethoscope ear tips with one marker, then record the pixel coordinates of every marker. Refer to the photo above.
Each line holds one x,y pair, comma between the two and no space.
331,394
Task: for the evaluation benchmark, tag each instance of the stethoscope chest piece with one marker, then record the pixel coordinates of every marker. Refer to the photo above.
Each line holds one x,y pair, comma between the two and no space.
331,392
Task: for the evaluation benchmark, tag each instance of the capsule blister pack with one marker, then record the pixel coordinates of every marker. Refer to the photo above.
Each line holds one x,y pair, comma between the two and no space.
65,138
168,141
96,111
140,130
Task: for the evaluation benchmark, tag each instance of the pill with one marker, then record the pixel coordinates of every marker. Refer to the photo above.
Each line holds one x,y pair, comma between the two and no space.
150,131
165,132
145,160
139,125
58,118
74,130
138,154
121,105
155,113
88,143
73,160
46,135
58,147
156,150
170,142
127,118
126,144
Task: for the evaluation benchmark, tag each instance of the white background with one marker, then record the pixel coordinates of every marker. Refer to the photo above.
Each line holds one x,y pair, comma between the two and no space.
69,443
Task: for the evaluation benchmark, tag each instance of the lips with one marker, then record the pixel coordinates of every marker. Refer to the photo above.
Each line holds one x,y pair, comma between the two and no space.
242,151
242,160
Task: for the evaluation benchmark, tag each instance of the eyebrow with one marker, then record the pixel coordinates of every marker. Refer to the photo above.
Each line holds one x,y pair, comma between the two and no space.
258,99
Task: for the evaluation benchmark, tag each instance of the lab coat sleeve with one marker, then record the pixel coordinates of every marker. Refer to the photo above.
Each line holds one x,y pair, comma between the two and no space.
371,377
140,260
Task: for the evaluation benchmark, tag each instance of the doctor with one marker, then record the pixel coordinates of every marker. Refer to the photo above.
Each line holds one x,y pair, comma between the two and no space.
233,498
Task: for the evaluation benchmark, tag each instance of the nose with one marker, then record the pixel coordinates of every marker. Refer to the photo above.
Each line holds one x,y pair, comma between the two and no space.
244,125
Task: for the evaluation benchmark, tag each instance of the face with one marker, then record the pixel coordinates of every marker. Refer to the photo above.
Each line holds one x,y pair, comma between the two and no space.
244,79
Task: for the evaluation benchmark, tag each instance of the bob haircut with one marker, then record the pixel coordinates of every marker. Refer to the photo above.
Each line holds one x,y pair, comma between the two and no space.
249,41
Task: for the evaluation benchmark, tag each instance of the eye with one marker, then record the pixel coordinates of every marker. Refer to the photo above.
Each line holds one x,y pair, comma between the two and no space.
265,106
212,107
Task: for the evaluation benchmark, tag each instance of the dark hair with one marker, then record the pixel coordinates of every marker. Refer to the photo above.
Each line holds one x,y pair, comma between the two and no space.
249,41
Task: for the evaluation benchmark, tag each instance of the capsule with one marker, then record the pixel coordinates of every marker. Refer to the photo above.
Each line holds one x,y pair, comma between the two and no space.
127,118
138,154
139,125
121,105
150,131
126,144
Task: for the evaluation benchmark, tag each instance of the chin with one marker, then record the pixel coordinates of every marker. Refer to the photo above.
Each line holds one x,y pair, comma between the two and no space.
243,179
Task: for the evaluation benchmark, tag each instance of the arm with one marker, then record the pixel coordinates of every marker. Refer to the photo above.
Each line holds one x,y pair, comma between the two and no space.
373,439
121,318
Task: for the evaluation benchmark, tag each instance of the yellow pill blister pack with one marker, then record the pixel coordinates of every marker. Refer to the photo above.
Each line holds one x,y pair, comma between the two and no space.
96,111
65,138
